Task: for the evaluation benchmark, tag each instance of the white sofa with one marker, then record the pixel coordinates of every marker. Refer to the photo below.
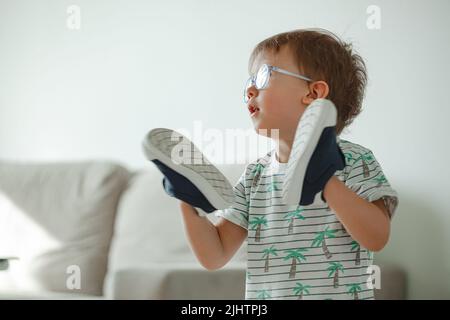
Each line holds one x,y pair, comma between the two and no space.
121,231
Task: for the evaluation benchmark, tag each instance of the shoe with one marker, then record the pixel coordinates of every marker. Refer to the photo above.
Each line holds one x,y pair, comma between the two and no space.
188,175
315,155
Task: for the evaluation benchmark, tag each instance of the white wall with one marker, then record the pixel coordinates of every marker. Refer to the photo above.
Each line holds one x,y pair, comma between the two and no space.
135,65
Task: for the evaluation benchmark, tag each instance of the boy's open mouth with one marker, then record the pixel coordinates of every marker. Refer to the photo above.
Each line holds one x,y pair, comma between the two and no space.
253,110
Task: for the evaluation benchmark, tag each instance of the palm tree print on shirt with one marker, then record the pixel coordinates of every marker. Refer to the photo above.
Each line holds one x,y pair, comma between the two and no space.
353,289
356,247
266,254
257,224
348,157
380,180
257,171
295,255
320,239
273,186
301,289
291,217
365,158
334,269
263,294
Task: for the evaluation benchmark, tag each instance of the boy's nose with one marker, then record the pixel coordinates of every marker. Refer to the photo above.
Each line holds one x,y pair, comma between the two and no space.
251,92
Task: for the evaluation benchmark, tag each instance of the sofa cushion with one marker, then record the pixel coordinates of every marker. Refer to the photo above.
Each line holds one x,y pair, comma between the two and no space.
58,219
179,281
148,225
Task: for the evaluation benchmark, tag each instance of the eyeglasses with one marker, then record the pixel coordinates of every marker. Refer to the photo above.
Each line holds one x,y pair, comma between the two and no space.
262,77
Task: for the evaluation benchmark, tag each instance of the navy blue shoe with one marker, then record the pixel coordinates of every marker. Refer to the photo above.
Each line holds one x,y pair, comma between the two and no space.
325,161
315,155
188,175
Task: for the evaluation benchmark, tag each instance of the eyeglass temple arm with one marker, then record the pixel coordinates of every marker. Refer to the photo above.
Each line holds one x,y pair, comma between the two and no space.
290,74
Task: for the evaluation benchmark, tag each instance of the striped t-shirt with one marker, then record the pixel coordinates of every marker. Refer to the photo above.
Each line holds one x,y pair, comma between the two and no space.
304,252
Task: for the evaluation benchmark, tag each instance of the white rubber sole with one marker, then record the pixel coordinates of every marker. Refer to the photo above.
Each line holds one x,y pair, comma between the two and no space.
159,144
321,113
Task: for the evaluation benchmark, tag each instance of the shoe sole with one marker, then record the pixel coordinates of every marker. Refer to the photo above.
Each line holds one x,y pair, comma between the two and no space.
320,114
159,144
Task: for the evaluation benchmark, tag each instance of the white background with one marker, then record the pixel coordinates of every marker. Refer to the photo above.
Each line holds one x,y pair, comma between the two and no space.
134,65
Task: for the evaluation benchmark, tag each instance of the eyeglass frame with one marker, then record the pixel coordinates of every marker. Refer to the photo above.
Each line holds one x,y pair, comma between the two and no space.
270,68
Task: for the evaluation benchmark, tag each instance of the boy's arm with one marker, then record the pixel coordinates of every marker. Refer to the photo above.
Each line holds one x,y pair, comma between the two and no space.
367,222
213,245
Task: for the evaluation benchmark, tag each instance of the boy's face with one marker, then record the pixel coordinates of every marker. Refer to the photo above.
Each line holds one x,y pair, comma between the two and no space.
282,103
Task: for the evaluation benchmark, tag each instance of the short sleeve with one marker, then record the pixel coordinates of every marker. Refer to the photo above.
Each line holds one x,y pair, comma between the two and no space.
367,179
238,213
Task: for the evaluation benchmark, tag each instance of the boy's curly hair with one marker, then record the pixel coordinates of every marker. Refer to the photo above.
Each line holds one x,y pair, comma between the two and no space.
321,55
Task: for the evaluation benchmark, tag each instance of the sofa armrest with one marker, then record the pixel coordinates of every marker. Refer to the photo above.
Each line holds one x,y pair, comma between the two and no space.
44,295
178,281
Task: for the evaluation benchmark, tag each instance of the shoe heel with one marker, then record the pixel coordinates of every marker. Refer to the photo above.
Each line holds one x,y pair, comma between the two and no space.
330,111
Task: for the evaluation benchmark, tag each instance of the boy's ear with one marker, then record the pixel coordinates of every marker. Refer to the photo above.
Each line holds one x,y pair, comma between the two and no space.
317,90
